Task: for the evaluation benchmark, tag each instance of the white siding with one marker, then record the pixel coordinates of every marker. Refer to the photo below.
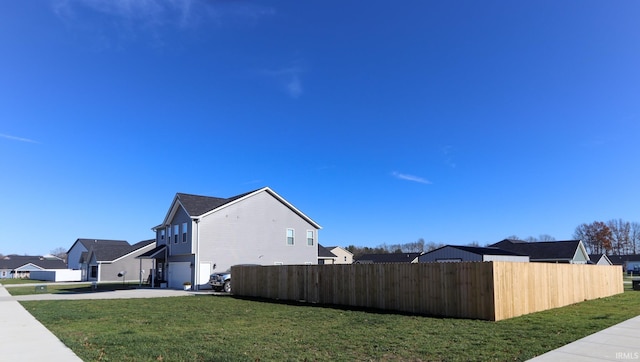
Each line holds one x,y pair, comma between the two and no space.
253,231
514,258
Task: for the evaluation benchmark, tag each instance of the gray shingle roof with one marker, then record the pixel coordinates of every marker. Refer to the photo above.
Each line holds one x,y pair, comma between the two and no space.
485,251
113,251
196,205
88,243
16,261
387,258
325,253
541,250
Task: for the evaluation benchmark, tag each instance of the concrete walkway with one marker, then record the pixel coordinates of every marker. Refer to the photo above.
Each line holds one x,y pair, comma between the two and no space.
23,338
618,343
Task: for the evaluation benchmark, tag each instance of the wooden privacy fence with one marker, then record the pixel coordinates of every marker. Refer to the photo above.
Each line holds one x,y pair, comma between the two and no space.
479,290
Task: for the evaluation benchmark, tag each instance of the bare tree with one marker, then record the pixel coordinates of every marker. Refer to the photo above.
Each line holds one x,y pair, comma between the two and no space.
621,235
546,237
596,236
634,238
432,246
60,252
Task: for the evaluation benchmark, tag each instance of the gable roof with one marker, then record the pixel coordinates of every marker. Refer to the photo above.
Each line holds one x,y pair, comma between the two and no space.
622,259
480,250
596,258
88,243
16,261
325,253
197,206
104,252
387,258
541,250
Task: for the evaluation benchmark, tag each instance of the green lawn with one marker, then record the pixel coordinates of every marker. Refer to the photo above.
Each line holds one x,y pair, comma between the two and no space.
70,288
223,328
19,281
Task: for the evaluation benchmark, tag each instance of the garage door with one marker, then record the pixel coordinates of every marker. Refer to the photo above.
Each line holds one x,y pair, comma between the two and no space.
178,274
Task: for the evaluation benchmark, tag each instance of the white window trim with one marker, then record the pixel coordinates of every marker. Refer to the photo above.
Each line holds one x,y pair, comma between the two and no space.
313,238
184,232
293,237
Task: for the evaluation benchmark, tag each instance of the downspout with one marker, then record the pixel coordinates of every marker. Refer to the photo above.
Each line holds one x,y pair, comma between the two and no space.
141,271
196,283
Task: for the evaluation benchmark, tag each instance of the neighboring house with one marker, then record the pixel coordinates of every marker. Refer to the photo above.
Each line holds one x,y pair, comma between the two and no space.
343,256
460,253
600,259
387,258
569,251
80,247
200,234
110,260
629,263
20,266
325,256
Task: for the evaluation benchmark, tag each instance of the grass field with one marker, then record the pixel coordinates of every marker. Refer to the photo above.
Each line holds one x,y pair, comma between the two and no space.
223,328
69,288
18,281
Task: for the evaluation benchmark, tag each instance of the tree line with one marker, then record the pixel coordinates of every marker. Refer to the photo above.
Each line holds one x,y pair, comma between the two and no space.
615,236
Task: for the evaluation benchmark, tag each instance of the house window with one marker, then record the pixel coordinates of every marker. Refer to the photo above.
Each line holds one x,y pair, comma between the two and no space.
4,273
310,237
176,232
290,237
184,232
162,235
345,258
94,271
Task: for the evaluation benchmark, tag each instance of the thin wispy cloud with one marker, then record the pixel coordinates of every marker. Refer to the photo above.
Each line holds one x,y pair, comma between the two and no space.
448,156
289,79
412,178
15,138
133,18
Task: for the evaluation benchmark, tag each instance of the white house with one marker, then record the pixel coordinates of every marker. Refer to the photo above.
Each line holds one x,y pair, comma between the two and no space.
343,256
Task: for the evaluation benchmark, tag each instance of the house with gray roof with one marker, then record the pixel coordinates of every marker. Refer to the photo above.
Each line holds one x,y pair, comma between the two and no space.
385,258
103,260
20,266
460,253
325,256
200,234
567,251
600,259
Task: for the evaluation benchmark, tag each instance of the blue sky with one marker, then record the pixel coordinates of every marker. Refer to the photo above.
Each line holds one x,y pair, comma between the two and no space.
385,122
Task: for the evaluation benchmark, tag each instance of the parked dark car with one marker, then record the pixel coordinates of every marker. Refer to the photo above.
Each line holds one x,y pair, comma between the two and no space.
221,281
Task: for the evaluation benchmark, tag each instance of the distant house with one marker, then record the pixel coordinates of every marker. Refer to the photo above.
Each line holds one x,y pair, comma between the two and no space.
569,251
460,253
600,259
629,263
200,234
21,266
325,256
387,258
109,260
343,256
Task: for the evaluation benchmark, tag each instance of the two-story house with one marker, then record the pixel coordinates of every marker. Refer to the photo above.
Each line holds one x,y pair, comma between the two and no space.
200,234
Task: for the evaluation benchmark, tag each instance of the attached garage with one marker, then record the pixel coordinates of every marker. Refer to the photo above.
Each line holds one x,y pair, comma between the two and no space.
179,272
